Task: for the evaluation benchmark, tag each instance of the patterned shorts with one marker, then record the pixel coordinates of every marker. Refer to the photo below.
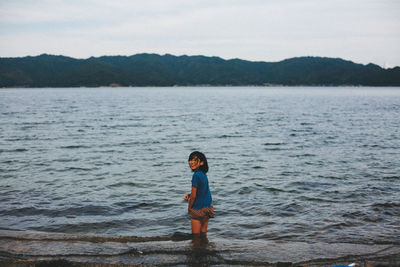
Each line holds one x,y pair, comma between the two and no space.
202,214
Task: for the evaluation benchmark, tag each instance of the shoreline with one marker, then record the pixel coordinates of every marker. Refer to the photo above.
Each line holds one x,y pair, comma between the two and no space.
27,248
208,86
374,262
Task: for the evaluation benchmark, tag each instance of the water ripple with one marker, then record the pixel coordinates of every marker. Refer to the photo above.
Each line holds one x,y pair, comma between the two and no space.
285,164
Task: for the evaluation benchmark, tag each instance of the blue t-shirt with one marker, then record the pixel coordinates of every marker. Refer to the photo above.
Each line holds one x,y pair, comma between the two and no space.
203,194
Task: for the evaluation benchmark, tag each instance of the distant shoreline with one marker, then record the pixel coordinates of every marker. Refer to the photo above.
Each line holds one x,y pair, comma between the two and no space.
209,86
144,70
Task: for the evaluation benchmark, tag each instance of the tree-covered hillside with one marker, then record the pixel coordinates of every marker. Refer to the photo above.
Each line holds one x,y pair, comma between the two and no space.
168,70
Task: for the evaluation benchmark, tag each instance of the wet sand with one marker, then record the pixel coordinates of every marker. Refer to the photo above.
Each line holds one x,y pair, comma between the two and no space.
19,248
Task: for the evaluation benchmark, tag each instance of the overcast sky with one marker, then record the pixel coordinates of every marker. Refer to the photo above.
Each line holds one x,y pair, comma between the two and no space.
363,31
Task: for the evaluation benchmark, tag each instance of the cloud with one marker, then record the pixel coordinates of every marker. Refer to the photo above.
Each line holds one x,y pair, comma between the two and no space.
360,30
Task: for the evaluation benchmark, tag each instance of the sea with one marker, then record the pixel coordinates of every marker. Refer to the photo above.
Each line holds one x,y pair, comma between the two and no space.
296,173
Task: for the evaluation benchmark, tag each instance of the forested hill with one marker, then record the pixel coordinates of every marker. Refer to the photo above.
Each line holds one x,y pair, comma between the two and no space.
168,70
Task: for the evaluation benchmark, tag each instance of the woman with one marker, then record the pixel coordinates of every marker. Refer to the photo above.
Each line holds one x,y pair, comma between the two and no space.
200,207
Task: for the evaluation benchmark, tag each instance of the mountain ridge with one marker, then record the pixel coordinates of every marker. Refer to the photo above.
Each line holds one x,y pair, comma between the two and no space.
168,70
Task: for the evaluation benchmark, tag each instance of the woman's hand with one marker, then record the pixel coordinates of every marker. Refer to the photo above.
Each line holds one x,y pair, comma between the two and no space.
186,197
192,197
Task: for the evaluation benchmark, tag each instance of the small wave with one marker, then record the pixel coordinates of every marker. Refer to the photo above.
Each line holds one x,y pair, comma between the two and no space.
273,149
355,195
129,206
78,169
123,126
305,155
245,190
306,123
273,144
9,113
13,150
66,160
304,185
287,173
317,199
122,184
289,210
224,136
6,161
386,205
274,189
26,138
341,225
258,167
127,144
390,178
74,147
362,216
26,211
47,236
90,227
330,177
89,210
108,151
387,208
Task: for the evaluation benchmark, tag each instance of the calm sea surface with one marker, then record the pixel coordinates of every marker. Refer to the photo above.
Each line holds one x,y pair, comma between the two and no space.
290,164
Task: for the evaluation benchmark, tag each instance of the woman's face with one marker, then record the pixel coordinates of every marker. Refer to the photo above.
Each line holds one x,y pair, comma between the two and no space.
195,163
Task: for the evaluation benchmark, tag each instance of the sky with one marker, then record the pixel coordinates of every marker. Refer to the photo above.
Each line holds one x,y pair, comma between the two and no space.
363,31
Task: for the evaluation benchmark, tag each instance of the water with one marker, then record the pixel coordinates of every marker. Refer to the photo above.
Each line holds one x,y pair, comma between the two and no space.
313,165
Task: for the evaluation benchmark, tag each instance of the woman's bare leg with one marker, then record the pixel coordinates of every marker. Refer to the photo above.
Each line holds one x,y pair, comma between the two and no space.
199,232
203,228
199,227
196,226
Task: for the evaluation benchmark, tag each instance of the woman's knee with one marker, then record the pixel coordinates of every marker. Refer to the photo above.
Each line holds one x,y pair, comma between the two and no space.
204,225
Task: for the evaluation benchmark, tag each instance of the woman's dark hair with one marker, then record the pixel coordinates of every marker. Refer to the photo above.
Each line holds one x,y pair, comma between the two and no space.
201,157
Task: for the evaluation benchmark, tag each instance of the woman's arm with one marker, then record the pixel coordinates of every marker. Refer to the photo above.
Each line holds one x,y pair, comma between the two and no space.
192,197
